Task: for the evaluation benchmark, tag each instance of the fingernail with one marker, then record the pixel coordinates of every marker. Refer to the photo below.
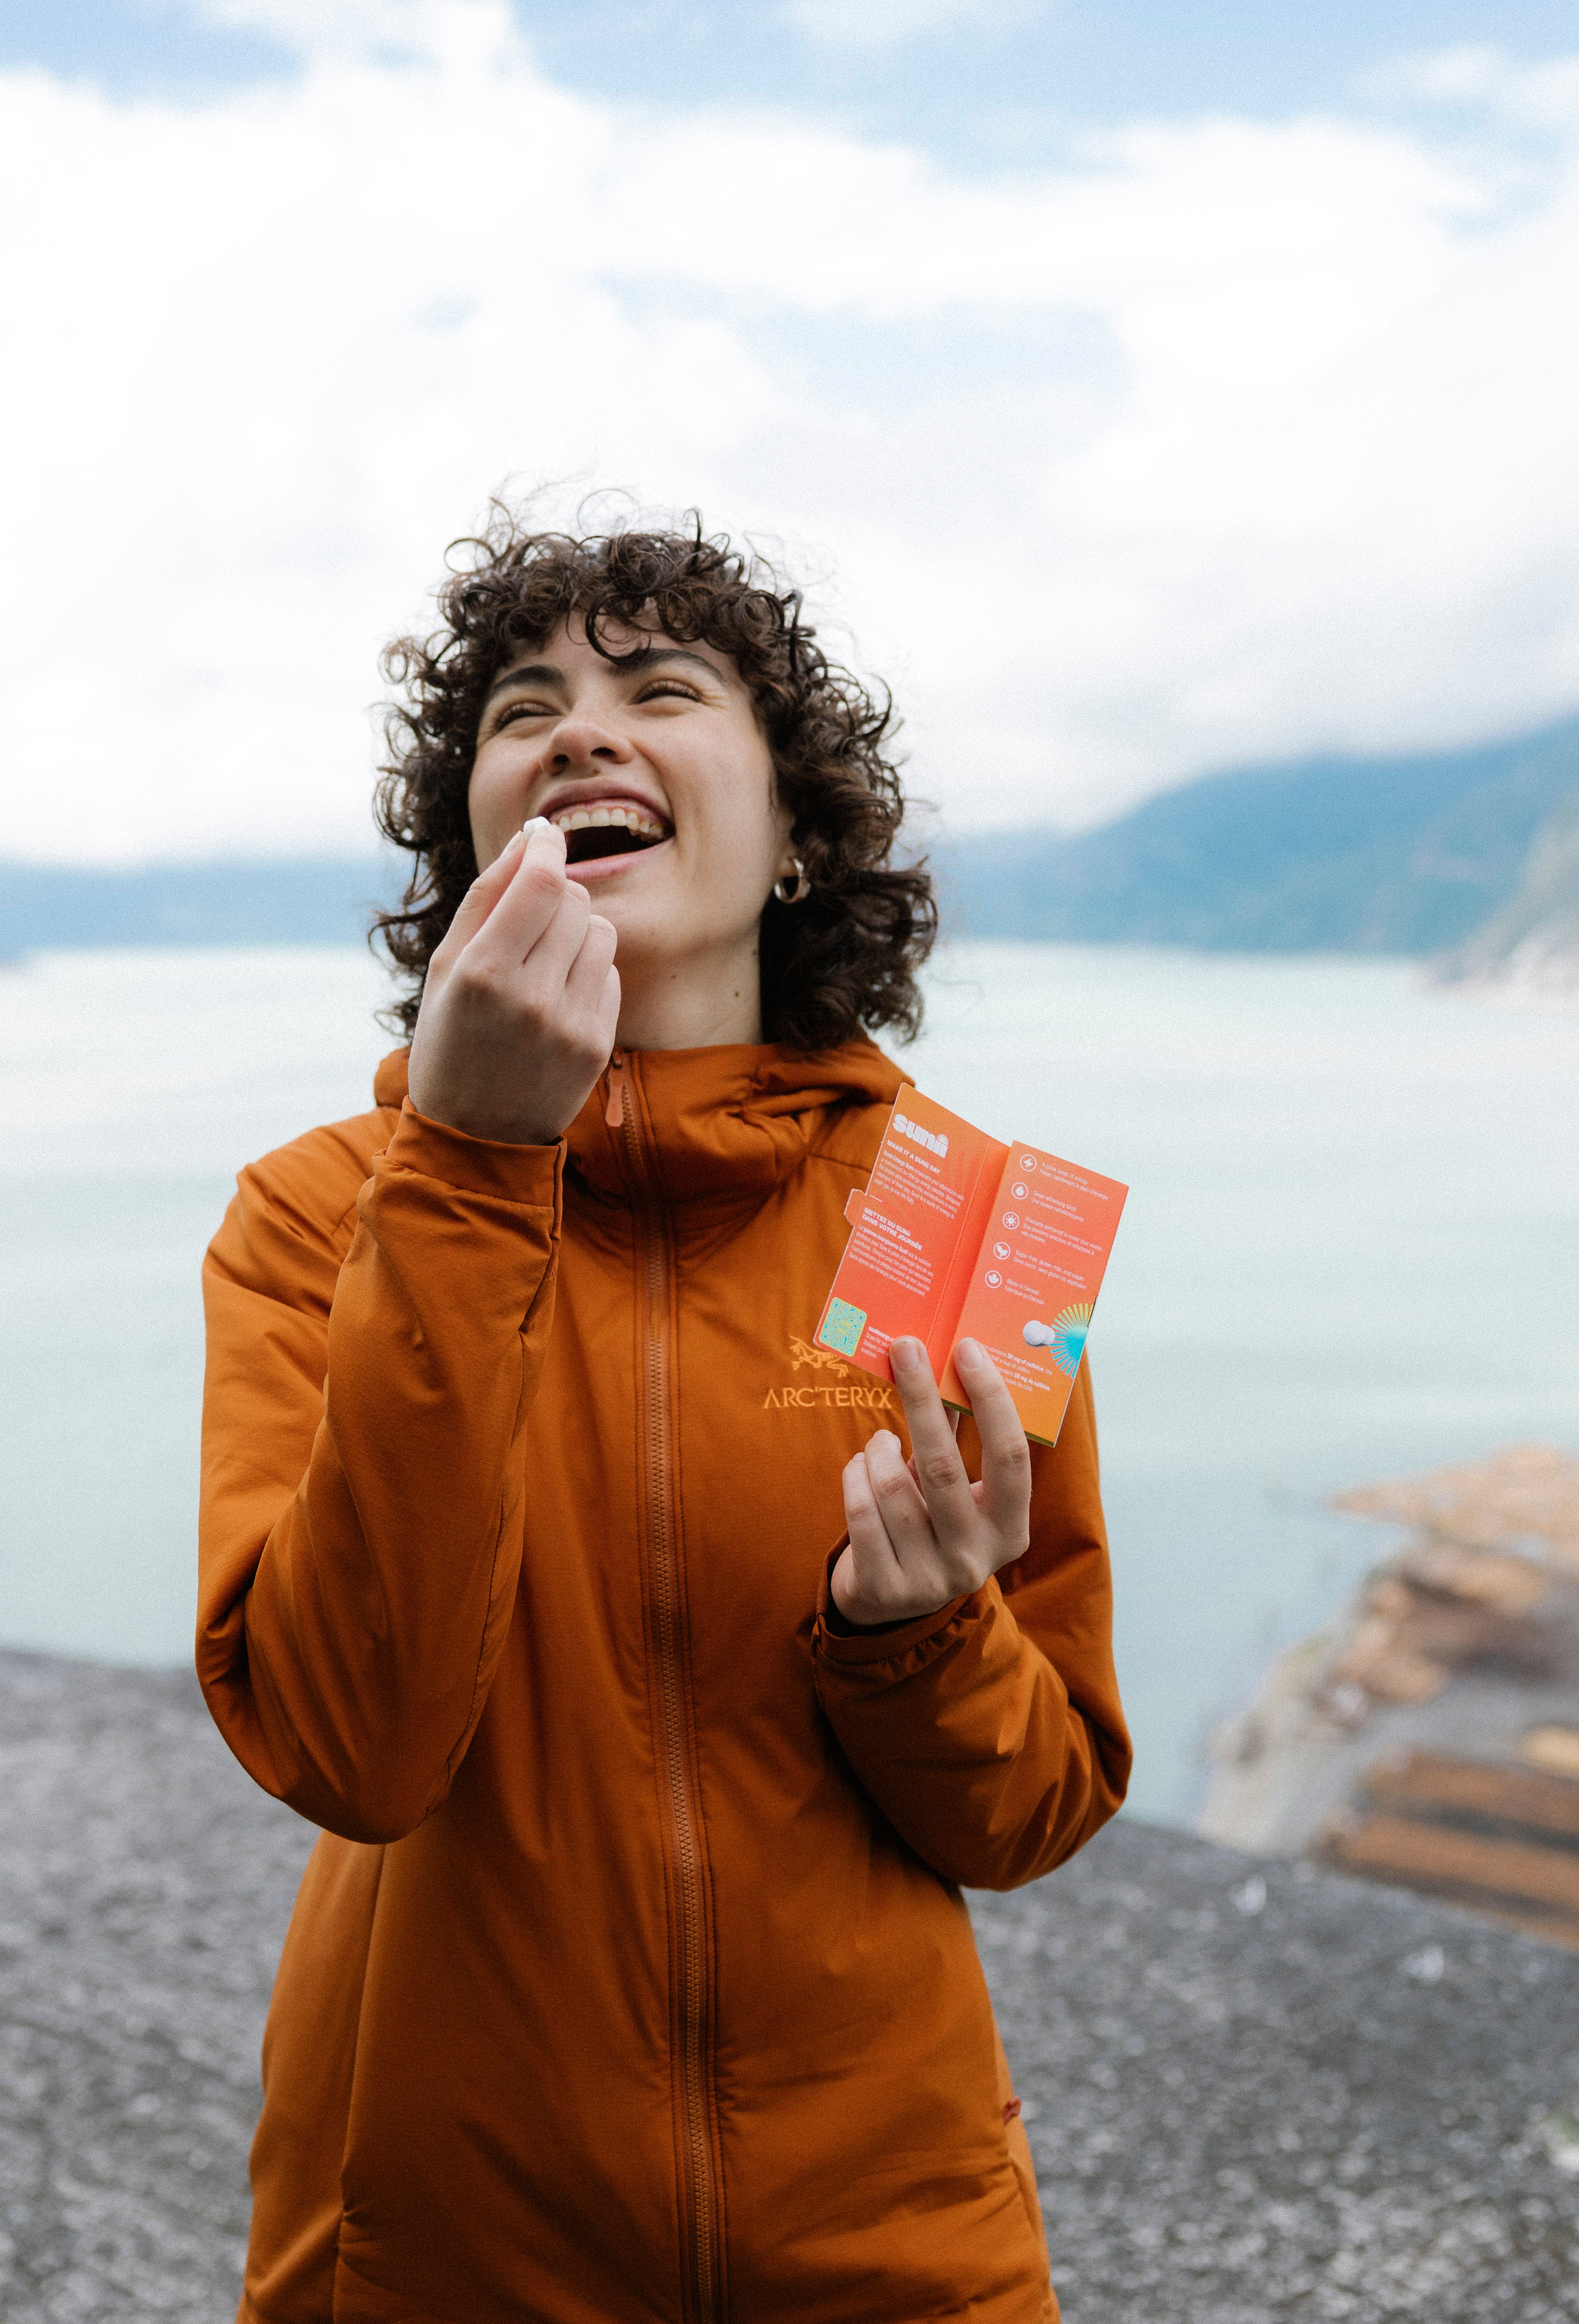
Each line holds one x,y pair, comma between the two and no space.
907,1356
969,1351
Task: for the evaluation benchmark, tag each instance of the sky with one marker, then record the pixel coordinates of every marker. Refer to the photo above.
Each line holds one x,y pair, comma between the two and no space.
1137,395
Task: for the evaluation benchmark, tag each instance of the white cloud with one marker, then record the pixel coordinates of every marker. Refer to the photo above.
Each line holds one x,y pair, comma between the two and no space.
1536,96
433,29
266,355
886,23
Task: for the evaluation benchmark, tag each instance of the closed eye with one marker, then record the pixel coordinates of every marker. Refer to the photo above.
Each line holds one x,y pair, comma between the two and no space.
654,691
515,711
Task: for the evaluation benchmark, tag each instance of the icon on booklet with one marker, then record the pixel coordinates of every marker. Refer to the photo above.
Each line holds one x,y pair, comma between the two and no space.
842,1326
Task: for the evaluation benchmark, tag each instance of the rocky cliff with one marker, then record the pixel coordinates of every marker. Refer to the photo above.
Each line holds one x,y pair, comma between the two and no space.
1430,1738
1530,944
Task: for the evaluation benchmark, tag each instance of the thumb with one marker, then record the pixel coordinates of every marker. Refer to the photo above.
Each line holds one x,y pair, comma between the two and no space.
476,905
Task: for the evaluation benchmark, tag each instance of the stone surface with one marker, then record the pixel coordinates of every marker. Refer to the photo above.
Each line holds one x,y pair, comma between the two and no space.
1464,1642
1262,2092
1255,2091
144,1889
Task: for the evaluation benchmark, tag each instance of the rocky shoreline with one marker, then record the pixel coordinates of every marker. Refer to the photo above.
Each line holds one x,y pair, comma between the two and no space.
1528,949
1429,1737
1255,2088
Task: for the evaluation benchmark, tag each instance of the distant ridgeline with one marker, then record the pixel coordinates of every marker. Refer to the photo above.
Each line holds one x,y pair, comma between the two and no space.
1473,855
296,901
1377,856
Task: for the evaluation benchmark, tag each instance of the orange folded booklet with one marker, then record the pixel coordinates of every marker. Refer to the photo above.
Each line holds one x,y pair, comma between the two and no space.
957,1236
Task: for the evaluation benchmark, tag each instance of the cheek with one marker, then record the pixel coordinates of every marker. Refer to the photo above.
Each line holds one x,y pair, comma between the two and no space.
743,810
740,835
490,809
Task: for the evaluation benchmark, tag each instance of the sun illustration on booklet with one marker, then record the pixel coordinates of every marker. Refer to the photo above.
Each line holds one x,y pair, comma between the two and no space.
1065,1336
959,1237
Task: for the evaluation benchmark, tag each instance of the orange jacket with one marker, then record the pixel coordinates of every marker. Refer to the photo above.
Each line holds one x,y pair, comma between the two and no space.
630,1980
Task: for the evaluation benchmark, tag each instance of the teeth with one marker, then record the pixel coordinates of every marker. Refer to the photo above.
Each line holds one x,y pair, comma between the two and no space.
630,819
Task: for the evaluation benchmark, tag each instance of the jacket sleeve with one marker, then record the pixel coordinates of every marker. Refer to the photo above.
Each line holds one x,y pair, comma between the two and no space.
357,1564
991,1734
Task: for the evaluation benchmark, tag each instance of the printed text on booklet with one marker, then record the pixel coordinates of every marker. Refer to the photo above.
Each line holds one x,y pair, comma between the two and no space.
957,1236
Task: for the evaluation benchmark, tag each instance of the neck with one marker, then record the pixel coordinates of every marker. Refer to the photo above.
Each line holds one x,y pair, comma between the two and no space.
698,1004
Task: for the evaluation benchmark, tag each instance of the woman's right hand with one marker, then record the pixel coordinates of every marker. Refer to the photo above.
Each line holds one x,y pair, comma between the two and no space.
522,1002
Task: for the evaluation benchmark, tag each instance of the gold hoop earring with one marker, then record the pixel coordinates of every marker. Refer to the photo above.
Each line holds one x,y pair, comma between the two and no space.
796,890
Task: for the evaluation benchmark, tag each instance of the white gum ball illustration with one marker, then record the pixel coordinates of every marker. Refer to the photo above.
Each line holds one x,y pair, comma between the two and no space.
1065,1336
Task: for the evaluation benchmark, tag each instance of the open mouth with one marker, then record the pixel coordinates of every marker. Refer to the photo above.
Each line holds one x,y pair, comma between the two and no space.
591,832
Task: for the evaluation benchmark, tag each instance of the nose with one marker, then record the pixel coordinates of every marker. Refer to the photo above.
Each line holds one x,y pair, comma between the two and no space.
579,741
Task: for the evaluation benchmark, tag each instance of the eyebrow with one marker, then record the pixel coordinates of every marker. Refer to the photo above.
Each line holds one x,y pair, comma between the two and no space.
645,657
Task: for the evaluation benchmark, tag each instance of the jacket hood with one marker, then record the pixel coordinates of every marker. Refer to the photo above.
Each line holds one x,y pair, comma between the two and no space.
726,1122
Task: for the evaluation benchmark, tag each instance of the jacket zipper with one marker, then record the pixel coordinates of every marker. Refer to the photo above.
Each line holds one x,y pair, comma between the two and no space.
668,1625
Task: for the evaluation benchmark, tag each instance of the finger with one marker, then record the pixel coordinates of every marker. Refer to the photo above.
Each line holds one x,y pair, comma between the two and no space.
954,1417
607,1013
553,955
1005,1455
901,1502
587,982
530,898
594,956
878,1572
939,1471
483,894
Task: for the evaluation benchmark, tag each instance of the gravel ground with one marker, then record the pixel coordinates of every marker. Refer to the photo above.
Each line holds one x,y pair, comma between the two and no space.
1255,2091
1260,2091
144,1888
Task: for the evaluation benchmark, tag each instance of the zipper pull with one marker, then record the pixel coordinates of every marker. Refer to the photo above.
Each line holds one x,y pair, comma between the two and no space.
615,1113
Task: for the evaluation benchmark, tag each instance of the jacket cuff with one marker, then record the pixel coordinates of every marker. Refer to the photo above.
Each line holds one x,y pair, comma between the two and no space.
836,1641
528,1174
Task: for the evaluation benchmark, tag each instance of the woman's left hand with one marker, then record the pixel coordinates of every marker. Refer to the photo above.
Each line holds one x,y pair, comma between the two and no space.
921,1534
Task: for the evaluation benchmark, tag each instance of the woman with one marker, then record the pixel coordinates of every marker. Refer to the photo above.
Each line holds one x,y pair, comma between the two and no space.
652,1705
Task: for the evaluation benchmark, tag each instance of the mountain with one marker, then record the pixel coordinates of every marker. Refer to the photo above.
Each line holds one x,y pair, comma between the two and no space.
1532,941
292,902
1405,854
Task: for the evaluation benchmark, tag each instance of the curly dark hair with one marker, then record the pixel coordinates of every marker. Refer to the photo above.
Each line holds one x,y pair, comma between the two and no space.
844,957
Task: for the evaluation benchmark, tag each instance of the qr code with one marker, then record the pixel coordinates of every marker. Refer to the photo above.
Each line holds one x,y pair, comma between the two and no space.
842,1326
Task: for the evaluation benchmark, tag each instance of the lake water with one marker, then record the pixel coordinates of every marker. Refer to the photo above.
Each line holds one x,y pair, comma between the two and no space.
1351,1251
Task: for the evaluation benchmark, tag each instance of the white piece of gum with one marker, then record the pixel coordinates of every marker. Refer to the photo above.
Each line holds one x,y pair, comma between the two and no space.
534,822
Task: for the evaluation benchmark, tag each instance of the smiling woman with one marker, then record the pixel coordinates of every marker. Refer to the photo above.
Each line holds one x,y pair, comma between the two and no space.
671,646
652,1711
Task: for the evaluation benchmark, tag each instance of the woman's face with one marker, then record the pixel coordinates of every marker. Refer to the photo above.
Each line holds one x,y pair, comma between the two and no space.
656,769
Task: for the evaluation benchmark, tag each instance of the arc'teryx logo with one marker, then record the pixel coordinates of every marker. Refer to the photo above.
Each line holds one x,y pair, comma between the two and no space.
866,1395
